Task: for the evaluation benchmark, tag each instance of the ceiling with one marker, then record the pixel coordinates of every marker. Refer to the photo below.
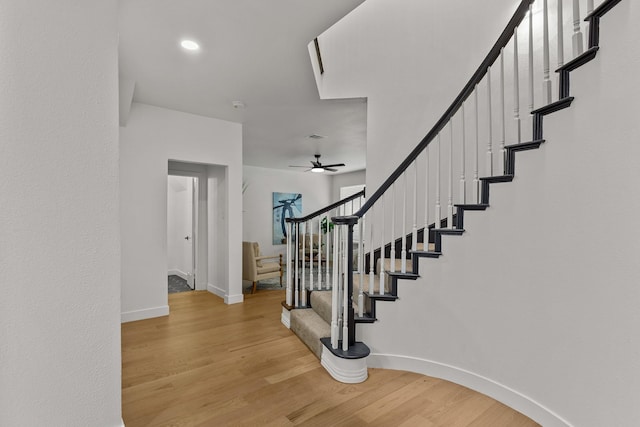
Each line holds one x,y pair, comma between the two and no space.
253,51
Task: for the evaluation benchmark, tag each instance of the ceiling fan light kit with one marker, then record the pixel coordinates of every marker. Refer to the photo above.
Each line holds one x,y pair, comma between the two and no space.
318,167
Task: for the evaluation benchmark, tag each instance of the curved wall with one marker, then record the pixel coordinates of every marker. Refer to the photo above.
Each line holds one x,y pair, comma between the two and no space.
536,304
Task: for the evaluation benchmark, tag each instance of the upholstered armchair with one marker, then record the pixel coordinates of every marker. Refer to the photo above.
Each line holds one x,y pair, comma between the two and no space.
310,248
255,267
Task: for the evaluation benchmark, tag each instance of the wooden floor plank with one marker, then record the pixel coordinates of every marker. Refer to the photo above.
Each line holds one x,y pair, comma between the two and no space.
211,364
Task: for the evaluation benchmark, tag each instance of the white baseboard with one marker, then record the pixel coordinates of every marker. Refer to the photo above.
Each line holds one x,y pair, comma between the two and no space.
233,299
176,272
147,313
497,391
285,318
348,371
216,290
121,423
228,299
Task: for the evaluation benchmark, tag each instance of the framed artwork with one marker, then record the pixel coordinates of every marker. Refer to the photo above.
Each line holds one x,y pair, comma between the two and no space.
285,205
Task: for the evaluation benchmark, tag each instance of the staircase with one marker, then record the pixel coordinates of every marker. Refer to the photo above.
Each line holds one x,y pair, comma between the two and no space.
388,238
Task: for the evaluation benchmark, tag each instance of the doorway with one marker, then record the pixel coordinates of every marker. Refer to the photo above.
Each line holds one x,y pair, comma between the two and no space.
182,226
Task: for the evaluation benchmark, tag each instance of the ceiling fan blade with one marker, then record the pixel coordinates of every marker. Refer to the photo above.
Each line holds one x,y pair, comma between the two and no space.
333,165
295,166
330,169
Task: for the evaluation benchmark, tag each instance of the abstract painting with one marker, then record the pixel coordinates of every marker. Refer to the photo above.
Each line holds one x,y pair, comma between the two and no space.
285,205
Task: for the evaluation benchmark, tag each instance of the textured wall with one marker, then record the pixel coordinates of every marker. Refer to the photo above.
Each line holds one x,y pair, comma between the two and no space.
59,228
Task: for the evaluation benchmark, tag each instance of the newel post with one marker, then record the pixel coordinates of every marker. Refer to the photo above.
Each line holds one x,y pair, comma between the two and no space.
349,327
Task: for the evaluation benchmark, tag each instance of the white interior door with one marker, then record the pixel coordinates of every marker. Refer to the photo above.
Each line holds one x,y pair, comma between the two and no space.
181,222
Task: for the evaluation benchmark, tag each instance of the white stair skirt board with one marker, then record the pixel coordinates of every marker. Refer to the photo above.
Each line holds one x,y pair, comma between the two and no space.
285,318
147,313
486,386
228,299
348,371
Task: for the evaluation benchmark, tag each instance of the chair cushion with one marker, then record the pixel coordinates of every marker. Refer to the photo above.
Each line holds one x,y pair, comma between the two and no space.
256,252
268,267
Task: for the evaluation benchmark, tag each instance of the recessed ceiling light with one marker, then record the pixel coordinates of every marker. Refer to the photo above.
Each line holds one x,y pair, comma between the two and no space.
189,45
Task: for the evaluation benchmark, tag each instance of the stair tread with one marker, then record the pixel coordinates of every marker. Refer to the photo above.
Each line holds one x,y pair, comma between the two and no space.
604,7
580,60
365,318
522,146
554,106
407,275
497,178
310,327
383,297
454,231
473,206
427,254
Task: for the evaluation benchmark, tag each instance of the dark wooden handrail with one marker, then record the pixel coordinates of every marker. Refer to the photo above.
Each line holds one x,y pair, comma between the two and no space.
477,77
326,208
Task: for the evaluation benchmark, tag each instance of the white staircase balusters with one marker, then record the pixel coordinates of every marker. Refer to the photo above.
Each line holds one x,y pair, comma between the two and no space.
382,268
289,296
414,228
403,251
427,207
546,84
489,171
438,219
371,252
577,42
392,251
589,10
463,179
503,119
560,32
531,96
516,87
303,286
450,183
476,177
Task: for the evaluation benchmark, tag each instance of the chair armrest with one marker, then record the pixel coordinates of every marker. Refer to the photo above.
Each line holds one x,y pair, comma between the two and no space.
258,258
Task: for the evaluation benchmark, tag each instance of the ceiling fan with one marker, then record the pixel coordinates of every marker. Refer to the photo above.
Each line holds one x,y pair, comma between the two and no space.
319,167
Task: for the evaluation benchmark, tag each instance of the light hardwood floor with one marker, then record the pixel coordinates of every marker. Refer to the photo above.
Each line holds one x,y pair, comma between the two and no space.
209,364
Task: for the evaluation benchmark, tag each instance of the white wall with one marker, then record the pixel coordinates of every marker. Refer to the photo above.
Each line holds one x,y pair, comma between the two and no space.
390,50
151,138
346,180
536,304
179,225
258,200
219,219
59,234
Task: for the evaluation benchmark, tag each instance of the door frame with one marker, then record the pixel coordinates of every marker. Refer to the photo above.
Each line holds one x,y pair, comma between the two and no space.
200,237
